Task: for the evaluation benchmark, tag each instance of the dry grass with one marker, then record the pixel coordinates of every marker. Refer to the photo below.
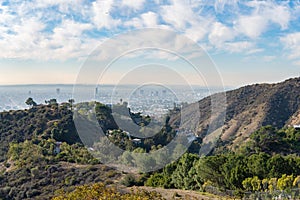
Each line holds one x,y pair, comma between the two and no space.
176,194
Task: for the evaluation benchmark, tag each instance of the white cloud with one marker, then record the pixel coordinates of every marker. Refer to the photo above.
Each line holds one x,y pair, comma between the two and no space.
264,13
135,4
134,22
220,4
178,14
34,28
220,34
251,26
291,42
63,5
254,51
24,38
28,40
185,18
196,33
102,14
148,19
154,40
238,47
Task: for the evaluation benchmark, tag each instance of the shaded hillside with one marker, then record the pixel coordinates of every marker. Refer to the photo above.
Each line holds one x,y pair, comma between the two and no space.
249,108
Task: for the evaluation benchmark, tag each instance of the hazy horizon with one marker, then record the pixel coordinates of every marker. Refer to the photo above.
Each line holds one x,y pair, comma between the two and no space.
132,84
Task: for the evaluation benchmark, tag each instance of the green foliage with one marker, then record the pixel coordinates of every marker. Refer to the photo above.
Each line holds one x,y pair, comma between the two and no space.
52,102
273,141
155,180
26,153
30,153
256,183
129,180
296,182
234,170
258,172
39,122
257,164
182,177
100,192
247,184
285,182
30,102
210,169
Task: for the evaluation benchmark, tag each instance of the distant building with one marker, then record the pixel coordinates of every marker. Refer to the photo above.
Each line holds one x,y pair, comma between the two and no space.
297,126
91,149
128,134
137,141
57,147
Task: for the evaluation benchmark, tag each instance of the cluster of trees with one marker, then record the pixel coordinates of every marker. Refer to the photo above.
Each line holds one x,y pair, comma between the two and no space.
40,122
259,172
36,153
273,141
245,170
285,182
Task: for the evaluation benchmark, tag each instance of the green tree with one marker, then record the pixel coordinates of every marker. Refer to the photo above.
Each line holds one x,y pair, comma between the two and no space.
51,102
182,177
234,171
257,165
276,166
211,169
71,102
30,102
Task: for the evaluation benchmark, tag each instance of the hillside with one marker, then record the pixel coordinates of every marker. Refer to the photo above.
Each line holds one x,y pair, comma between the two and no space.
250,107
41,151
31,168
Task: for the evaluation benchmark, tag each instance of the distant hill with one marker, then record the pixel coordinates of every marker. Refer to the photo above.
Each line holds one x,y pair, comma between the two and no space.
249,108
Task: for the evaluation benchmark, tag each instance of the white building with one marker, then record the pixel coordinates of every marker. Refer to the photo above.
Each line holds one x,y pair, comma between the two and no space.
297,126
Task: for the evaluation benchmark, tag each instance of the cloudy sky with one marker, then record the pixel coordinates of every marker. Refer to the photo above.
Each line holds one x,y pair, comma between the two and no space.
46,41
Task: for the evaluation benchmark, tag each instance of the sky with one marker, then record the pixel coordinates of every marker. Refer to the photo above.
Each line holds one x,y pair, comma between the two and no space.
46,41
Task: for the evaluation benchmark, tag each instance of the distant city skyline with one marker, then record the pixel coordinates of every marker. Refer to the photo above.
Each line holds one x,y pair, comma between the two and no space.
47,42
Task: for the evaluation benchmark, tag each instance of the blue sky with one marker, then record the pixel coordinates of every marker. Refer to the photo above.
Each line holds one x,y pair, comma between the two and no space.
249,41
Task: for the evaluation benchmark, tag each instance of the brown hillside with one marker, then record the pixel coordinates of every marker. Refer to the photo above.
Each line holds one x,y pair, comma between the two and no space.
247,109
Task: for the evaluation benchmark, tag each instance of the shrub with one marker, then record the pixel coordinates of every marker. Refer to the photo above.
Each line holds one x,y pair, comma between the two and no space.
128,180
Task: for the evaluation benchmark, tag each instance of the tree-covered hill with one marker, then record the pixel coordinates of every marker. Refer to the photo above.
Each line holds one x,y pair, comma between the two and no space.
41,151
31,167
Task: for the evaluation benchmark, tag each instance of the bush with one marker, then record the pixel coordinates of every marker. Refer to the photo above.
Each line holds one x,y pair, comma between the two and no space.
100,191
128,180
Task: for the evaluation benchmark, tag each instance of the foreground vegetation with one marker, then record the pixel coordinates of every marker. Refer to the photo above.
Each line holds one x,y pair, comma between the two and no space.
257,166
101,192
42,157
